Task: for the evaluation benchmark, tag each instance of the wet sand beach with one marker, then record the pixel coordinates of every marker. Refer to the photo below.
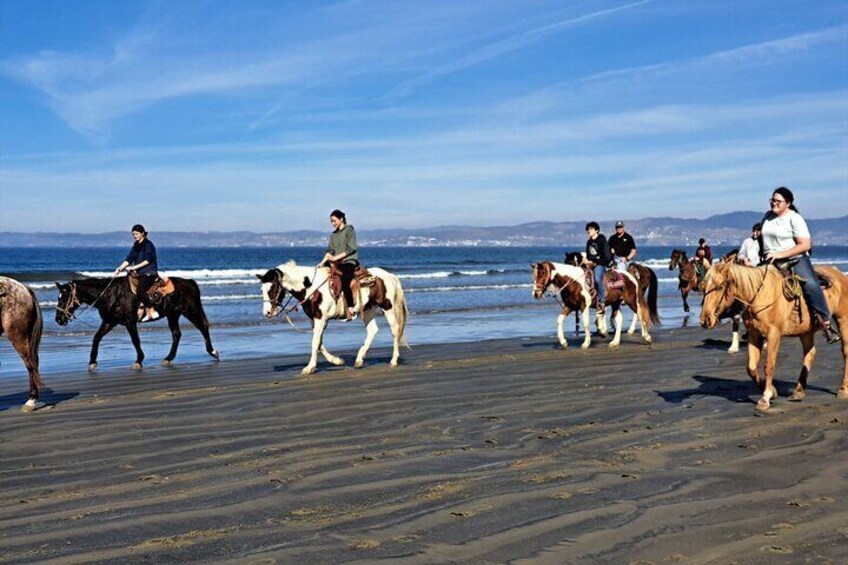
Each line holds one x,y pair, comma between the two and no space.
488,452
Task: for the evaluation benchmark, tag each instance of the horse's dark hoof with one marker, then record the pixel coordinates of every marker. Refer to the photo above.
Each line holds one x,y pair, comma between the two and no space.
92,367
136,366
165,363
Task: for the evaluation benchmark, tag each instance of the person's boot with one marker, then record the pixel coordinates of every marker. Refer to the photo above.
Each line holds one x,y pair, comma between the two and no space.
830,334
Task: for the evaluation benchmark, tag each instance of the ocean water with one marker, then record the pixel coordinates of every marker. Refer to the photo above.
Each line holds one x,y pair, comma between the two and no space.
454,294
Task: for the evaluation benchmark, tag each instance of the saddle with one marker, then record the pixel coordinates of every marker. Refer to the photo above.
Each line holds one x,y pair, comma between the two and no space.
613,280
163,286
362,278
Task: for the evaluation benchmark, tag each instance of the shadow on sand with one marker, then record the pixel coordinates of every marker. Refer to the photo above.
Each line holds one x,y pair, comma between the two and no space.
734,390
47,399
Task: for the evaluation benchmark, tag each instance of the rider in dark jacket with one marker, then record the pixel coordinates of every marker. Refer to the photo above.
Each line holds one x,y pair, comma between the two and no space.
142,260
598,257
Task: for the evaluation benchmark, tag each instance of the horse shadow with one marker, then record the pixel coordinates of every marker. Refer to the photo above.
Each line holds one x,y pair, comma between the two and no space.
733,390
47,399
711,343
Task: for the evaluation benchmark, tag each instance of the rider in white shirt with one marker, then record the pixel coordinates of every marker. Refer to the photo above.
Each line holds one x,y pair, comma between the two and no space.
749,252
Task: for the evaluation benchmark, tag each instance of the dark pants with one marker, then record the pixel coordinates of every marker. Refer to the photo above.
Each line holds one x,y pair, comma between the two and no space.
144,284
812,290
347,270
599,272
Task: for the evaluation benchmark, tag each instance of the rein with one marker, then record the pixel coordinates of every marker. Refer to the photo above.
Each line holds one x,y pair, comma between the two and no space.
285,310
72,316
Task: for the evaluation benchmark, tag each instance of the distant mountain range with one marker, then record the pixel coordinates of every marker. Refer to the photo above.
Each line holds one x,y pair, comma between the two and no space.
723,229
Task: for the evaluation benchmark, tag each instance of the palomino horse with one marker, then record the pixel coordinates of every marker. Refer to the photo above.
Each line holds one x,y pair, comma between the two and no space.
20,320
309,286
569,283
688,277
117,305
771,314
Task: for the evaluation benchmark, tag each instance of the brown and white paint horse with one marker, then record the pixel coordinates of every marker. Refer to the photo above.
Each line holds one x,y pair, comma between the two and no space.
309,286
21,321
569,283
688,277
770,315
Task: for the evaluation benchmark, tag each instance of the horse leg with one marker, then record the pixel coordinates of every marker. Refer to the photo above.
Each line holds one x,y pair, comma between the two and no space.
394,326
842,326
769,391
809,346
601,321
618,319
317,339
755,351
21,345
560,320
337,361
685,294
199,321
105,327
643,312
132,329
734,344
587,335
632,329
176,334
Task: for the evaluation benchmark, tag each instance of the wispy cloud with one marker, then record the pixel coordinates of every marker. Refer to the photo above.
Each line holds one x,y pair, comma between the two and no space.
502,47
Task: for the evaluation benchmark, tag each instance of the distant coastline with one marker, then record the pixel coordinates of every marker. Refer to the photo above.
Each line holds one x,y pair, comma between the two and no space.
724,229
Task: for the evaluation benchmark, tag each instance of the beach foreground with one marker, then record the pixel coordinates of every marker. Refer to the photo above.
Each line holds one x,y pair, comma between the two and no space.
487,452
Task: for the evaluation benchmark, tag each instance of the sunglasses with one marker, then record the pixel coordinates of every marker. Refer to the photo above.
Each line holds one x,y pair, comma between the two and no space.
773,201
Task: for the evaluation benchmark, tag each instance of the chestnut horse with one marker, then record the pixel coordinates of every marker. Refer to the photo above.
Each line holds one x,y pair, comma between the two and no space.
771,314
569,284
21,321
309,286
688,277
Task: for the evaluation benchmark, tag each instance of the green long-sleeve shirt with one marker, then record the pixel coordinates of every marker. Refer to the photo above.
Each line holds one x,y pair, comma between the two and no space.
344,241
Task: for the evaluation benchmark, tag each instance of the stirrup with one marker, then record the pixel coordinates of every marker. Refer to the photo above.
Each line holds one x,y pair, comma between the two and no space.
831,335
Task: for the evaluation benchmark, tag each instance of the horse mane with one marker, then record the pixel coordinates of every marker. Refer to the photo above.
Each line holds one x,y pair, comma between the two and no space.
748,279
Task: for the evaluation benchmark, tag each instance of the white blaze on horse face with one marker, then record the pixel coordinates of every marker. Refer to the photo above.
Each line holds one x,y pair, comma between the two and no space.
267,307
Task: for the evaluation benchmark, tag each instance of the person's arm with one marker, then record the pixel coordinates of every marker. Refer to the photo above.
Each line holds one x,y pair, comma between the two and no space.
131,257
802,245
586,261
633,251
138,266
349,244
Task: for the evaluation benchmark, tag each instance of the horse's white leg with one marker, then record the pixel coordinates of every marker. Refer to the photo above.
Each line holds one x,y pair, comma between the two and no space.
587,334
371,329
317,339
601,320
337,361
562,341
644,319
619,320
632,329
734,342
394,326
769,391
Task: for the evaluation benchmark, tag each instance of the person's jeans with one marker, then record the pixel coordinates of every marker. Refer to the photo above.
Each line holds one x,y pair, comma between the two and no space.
599,272
812,290
144,284
621,263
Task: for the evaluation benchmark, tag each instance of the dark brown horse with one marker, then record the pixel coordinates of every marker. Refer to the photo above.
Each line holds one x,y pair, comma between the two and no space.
118,305
688,277
20,320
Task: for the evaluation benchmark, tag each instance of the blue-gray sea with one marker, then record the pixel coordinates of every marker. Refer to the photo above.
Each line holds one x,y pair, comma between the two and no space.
454,294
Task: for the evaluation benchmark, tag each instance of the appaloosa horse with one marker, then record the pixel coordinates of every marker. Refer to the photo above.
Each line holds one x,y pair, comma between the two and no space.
773,310
312,289
118,305
20,320
569,283
688,277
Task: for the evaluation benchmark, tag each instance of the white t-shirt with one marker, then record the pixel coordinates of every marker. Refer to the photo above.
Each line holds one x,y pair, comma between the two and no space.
779,233
750,250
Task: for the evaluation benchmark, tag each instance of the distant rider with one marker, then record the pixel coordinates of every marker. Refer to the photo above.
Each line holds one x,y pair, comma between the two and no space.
749,252
622,246
142,260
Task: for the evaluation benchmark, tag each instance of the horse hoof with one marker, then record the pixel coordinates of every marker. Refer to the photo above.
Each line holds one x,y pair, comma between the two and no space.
797,396
307,370
215,355
166,363
339,362
359,364
92,367
29,406
842,394
563,344
631,332
584,346
613,345
763,405
136,367
733,350
393,364
649,339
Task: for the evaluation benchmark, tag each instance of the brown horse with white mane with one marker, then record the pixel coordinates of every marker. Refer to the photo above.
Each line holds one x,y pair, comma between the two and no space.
774,310
688,276
21,321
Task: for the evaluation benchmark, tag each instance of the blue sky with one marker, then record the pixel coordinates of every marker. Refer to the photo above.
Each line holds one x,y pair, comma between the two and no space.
267,115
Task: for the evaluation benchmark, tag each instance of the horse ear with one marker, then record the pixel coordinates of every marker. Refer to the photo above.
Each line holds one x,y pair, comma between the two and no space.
59,286
259,277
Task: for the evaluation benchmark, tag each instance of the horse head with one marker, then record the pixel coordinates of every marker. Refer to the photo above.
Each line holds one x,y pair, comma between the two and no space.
542,275
719,294
67,304
677,256
273,292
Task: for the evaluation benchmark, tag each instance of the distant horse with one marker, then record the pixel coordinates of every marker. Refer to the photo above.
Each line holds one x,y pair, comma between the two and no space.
648,283
21,321
118,305
734,312
772,312
310,287
561,279
688,276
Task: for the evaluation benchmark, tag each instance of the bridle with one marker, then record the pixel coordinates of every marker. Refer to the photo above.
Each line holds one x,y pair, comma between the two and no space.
71,304
284,308
744,302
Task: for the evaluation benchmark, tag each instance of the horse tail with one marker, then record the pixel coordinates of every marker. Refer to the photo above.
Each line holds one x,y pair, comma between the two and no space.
653,287
35,339
401,313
